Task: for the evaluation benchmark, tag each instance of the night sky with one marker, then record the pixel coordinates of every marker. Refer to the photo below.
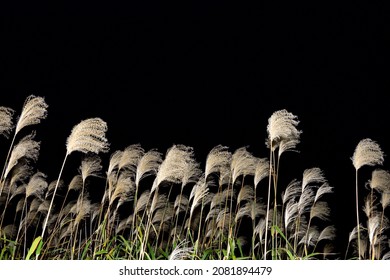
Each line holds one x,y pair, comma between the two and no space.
203,75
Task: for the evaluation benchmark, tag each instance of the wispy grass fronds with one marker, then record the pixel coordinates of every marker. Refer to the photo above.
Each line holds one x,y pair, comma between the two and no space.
282,130
243,163
34,110
373,228
218,160
198,193
288,145
385,200
220,199
148,165
282,125
324,189
367,152
261,170
246,193
162,215
51,187
81,210
9,231
369,208
142,202
76,183
17,191
290,215
320,210
124,189
26,148
181,252
155,206
159,201
328,233
90,167
20,173
380,180
305,201
174,167
192,173
361,245
353,234
251,210
386,256
311,238
37,185
43,206
89,136
6,122
130,157
312,176
115,158
181,204
292,191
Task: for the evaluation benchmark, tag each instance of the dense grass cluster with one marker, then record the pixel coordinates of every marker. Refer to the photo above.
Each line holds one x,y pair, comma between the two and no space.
150,205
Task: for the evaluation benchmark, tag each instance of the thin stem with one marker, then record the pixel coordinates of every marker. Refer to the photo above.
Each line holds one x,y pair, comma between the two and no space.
268,203
357,212
2,180
52,199
275,216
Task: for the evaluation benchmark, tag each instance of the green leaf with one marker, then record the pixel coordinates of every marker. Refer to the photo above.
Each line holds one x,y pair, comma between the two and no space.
35,246
85,251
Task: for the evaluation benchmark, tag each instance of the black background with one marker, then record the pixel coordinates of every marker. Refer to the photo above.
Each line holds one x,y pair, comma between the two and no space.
203,74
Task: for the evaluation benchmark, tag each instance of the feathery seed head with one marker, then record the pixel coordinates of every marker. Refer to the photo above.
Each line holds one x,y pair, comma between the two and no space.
242,163
375,227
130,157
380,180
218,159
124,189
325,188
291,213
198,193
90,166
282,126
114,162
142,202
251,210
89,136
83,210
26,148
179,160
76,183
34,110
385,200
328,233
51,187
261,171
321,210
367,152
20,173
292,191
6,124
37,185
311,176
246,194
287,145
181,252
148,165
